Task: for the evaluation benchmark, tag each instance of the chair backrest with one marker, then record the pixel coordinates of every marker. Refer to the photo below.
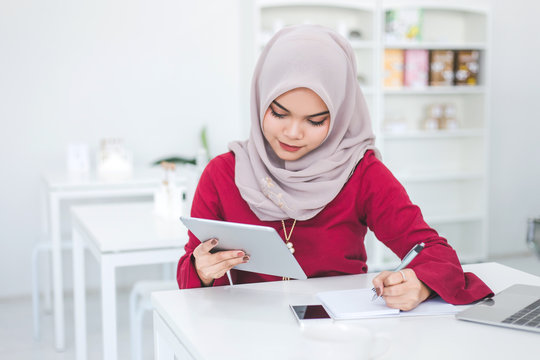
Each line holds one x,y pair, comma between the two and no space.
533,235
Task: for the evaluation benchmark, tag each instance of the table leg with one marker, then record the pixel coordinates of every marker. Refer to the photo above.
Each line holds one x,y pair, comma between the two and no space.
79,296
46,281
162,349
58,286
45,231
108,307
35,294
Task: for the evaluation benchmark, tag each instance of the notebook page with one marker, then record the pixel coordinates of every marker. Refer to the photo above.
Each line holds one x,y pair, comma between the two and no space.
354,304
357,304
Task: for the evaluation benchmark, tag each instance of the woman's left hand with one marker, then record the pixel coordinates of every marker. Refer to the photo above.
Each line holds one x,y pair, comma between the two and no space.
401,289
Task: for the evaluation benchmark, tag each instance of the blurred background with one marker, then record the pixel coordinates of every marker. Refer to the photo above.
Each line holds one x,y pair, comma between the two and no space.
155,73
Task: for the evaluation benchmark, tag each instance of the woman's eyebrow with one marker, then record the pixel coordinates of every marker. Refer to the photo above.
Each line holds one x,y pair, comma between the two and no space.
283,108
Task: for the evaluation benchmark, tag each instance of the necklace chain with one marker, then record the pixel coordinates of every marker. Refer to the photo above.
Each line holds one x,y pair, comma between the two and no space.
287,238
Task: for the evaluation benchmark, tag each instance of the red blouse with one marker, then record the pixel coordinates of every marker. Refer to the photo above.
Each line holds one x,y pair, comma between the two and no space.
332,242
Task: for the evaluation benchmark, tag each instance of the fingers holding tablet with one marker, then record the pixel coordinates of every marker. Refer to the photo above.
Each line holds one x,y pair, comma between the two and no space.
210,265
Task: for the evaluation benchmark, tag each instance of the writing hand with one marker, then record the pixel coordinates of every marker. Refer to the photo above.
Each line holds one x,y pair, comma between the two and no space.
401,289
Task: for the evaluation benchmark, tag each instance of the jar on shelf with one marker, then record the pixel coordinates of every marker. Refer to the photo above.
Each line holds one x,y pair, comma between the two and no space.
449,119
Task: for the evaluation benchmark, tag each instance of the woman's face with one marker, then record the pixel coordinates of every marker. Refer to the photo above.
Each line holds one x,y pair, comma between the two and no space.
295,123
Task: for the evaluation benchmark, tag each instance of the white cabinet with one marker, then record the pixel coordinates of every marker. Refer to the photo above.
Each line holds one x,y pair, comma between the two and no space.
443,169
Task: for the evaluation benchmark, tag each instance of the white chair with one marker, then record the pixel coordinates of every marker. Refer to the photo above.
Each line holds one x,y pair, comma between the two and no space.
139,302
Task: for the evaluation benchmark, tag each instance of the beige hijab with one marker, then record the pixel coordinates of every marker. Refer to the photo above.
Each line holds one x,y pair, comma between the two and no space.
317,58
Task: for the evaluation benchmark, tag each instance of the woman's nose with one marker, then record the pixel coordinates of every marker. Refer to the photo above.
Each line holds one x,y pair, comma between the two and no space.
293,130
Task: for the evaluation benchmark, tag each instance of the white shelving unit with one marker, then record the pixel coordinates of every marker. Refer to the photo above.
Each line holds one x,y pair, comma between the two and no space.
444,171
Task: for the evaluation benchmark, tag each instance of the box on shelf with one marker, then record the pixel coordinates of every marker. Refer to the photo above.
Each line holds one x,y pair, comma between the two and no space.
449,119
441,68
433,116
393,68
403,25
440,117
416,68
467,67
430,124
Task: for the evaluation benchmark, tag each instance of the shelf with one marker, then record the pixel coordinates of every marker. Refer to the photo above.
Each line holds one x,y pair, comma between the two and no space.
454,219
437,90
345,4
436,46
446,6
440,177
436,134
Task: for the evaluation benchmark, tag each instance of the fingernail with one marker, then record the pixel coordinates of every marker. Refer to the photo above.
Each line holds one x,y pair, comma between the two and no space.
246,258
214,241
240,253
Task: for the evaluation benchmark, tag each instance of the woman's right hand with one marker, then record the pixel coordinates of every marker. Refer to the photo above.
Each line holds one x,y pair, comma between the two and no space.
213,266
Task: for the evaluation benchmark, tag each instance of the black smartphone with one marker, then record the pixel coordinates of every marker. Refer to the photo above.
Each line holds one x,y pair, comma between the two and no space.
309,312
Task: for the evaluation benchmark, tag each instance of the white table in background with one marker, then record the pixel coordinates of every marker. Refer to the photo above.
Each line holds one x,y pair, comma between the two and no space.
253,321
117,235
60,188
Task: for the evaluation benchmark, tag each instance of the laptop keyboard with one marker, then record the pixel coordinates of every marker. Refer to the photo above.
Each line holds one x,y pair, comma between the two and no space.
528,316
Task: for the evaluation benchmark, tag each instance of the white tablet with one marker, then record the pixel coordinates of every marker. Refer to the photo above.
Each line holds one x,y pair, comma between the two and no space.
267,252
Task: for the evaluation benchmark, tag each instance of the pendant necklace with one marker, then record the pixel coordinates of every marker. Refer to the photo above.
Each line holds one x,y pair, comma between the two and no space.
287,238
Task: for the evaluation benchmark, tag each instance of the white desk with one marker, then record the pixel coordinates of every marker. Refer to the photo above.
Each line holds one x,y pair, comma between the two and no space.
58,188
117,235
253,321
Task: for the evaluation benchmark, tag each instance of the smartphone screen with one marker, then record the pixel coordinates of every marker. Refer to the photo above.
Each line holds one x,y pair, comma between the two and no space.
310,312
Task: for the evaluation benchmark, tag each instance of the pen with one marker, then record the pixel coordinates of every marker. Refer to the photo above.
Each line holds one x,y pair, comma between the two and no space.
406,261
229,277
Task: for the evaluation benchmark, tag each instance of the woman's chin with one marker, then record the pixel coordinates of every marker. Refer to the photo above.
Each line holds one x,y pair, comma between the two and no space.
289,155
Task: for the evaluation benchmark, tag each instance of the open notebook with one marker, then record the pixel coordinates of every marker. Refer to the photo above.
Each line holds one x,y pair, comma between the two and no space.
357,304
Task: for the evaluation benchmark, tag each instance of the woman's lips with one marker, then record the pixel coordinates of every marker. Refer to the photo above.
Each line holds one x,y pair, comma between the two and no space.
289,147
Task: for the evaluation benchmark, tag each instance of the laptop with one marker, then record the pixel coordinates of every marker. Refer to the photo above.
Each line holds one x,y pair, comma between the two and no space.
517,307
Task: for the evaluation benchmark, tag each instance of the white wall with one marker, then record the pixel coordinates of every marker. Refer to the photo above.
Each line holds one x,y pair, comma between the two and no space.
515,135
151,72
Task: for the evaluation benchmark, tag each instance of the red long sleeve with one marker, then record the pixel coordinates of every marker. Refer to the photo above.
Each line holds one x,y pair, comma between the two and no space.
332,243
399,225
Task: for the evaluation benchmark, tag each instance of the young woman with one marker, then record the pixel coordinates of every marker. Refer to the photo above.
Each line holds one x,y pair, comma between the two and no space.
310,170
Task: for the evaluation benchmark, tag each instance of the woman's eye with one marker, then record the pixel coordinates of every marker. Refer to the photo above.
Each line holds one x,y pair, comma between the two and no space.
317,123
276,114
